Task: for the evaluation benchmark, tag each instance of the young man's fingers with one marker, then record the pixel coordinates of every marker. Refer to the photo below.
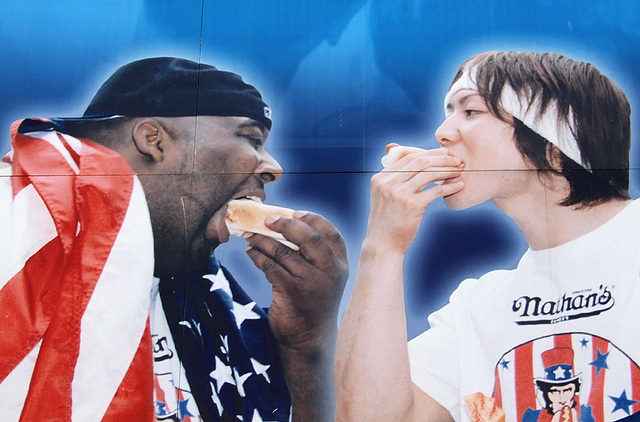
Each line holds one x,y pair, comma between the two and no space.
439,191
434,176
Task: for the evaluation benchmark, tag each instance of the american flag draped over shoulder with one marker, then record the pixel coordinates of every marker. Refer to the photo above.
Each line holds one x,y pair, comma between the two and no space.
226,347
76,271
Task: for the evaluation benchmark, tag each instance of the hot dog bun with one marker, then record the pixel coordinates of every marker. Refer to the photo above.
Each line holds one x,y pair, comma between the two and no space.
397,152
245,215
483,408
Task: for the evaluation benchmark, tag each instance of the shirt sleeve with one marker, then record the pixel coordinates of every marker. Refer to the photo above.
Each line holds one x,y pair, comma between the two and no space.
435,354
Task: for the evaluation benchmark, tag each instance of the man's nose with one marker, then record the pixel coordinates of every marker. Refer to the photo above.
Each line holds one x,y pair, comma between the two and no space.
446,132
269,170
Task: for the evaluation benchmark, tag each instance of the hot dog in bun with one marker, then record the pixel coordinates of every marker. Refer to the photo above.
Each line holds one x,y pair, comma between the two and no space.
396,152
247,216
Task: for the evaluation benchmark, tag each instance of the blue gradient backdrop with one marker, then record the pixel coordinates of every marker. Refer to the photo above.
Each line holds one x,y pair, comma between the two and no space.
344,77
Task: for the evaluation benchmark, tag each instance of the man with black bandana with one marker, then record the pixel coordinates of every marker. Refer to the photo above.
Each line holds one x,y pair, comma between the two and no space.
194,136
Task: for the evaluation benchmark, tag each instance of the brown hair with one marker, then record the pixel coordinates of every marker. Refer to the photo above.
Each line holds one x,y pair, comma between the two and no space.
585,99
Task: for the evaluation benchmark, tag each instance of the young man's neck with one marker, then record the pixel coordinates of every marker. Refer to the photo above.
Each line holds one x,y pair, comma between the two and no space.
546,224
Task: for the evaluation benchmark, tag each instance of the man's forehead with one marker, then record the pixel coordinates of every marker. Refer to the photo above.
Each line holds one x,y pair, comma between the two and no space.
462,95
234,122
459,98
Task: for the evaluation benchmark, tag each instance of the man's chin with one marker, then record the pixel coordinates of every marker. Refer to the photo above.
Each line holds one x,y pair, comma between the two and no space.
456,202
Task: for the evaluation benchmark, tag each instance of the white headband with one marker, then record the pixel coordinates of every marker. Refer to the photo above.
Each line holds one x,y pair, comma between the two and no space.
548,125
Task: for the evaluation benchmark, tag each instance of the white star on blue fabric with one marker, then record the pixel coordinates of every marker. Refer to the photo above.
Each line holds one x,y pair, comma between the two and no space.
222,374
240,379
560,373
244,312
218,282
195,328
261,369
257,418
225,345
216,401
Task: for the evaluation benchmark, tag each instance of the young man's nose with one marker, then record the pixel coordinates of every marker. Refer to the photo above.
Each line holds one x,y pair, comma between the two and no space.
446,132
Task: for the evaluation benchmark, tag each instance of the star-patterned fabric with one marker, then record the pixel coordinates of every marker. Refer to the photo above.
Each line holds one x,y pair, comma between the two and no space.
226,350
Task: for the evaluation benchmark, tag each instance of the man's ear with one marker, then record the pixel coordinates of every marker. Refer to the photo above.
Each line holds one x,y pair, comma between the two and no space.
554,156
150,138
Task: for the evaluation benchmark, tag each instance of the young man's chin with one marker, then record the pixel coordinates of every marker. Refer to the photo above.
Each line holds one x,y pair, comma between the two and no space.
456,201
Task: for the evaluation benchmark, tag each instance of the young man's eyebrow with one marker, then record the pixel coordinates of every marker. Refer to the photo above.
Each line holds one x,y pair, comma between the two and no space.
460,101
463,100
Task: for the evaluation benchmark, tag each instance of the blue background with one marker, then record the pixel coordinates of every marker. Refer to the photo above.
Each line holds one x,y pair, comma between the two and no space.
344,77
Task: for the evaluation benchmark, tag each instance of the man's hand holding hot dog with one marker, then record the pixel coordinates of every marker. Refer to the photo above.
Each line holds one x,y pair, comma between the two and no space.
307,288
400,193
373,331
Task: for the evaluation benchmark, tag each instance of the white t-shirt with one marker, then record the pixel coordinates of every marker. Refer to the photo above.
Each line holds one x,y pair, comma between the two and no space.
565,314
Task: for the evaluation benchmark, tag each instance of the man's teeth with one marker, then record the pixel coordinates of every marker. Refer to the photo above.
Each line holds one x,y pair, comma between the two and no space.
252,198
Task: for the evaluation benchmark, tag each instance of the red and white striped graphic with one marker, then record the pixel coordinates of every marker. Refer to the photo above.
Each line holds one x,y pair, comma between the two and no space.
76,274
609,381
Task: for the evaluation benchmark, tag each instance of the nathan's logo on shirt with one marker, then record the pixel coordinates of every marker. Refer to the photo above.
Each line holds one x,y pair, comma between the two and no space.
534,310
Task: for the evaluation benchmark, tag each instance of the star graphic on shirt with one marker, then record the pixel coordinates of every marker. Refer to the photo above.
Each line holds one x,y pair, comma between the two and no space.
161,408
240,379
622,402
505,363
182,409
600,362
244,312
559,372
218,282
584,342
261,369
222,374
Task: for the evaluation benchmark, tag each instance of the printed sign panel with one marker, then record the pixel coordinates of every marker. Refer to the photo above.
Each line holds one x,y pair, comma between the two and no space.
342,79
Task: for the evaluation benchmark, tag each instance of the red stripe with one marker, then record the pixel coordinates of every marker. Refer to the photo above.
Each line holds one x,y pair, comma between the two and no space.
497,389
596,397
635,385
525,396
50,294
134,399
562,341
159,392
27,303
52,177
101,203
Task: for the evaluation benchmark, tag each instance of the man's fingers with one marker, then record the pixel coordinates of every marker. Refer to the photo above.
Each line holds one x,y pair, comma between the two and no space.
330,235
319,241
438,176
266,255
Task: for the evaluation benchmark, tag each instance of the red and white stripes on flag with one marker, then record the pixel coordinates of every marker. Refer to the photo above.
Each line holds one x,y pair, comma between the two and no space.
76,274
